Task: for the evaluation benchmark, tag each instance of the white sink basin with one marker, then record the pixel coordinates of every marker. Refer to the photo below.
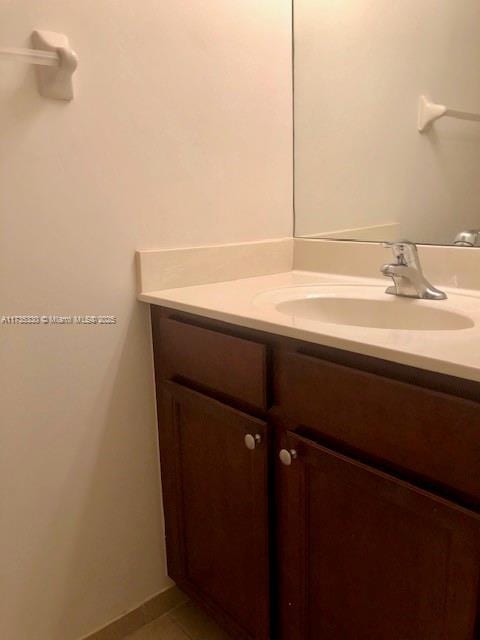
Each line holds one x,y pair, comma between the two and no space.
365,306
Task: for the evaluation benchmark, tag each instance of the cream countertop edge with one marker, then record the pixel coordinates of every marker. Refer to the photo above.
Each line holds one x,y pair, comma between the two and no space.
231,302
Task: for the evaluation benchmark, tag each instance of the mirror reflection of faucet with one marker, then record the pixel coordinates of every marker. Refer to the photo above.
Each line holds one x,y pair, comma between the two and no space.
407,275
468,238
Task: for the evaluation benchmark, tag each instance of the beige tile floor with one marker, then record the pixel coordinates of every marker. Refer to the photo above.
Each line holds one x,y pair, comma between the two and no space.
185,622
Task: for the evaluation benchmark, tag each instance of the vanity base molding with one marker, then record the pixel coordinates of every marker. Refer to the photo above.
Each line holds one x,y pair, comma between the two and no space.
367,528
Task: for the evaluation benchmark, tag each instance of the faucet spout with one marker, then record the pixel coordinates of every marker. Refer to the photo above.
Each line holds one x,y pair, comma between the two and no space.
407,274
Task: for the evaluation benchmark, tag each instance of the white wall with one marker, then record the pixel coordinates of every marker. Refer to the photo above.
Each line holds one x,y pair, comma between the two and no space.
360,68
180,134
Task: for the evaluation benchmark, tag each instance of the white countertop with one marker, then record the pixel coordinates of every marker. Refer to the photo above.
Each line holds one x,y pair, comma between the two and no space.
239,302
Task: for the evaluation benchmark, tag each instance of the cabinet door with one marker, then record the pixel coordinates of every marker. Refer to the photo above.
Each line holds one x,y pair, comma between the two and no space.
216,507
365,556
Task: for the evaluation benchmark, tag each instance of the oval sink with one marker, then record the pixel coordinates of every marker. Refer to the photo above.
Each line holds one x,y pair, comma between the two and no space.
377,314
368,307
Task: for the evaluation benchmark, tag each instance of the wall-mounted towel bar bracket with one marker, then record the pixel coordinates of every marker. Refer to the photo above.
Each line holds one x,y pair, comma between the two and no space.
55,61
429,112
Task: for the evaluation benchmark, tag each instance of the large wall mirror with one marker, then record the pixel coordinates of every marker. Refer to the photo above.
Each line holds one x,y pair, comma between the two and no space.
363,170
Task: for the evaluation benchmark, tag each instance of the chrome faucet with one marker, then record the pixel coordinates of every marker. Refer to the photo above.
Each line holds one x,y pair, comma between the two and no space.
407,275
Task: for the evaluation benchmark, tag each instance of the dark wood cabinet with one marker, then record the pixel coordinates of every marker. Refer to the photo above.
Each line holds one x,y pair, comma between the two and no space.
419,432
375,558
218,363
372,532
216,505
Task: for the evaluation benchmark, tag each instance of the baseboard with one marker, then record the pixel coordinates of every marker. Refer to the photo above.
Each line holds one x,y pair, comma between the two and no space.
142,615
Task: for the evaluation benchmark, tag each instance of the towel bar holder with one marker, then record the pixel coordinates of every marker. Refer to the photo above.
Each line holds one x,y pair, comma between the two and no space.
54,60
429,112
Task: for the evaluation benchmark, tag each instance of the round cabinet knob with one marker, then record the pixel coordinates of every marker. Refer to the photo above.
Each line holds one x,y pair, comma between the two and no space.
286,456
252,441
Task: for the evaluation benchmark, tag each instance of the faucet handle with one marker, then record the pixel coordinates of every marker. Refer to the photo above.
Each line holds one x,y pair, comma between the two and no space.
405,252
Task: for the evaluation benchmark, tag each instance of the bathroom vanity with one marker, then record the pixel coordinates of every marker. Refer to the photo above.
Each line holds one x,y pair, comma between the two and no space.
320,439
311,492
